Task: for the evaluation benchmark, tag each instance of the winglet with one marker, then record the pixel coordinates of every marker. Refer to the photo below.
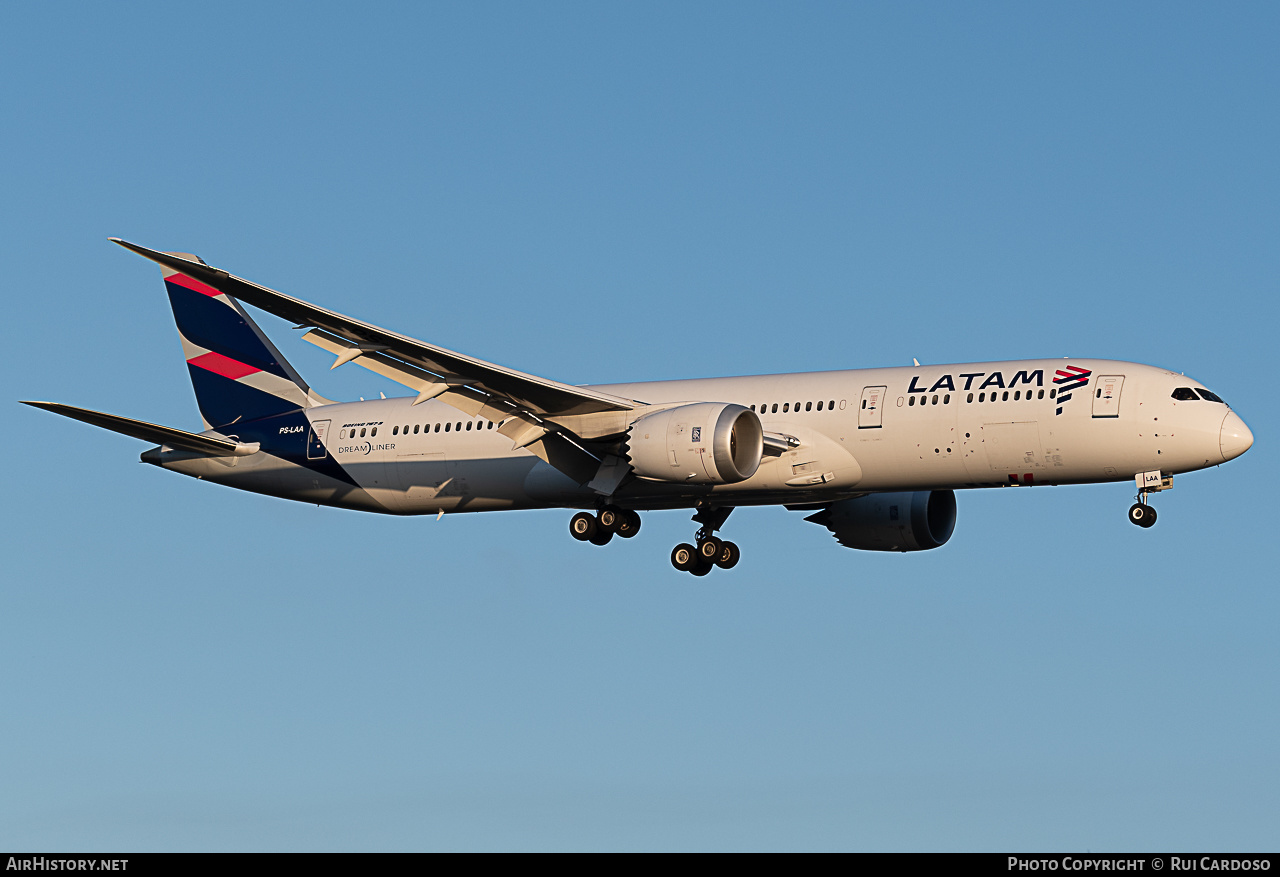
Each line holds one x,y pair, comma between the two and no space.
174,261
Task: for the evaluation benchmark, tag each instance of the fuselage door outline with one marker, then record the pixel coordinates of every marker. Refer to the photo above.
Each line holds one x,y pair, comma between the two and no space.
870,412
316,449
1106,395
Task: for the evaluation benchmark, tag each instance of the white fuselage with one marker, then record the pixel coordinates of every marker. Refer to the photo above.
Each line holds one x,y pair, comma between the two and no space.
860,431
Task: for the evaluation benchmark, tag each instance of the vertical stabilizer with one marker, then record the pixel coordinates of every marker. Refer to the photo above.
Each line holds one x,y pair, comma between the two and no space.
237,373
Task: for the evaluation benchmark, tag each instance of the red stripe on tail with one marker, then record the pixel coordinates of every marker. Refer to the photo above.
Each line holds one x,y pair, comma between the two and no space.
223,365
192,284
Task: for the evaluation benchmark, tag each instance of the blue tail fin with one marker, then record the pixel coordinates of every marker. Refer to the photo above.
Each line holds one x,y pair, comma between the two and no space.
236,371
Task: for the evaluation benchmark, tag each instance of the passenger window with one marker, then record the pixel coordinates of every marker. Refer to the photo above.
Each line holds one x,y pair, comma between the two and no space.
785,405
946,400
864,404
970,399
362,431
1053,392
775,407
982,397
911,401
1040,395
415,428
1017,394
808,406
373,431
753,408
395,430
468,426
1185,394
831,404
446,426
935,398
1005,396
1098,395
819,405
458,428
437,429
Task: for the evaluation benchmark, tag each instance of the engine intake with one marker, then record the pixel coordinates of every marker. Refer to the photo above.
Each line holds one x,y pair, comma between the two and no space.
908,521
699,443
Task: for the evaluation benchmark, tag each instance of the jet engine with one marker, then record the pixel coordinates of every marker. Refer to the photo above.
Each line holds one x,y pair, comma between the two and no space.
698,443
909,521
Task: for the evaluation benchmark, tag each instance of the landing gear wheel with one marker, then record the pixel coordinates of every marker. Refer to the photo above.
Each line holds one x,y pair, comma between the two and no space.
628,524
602,537
583,526
729,556
1142,515
684,557
702,568
610,518
710,549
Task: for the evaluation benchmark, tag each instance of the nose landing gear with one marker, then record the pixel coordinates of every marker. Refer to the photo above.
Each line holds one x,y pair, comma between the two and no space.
1142,514
1148,482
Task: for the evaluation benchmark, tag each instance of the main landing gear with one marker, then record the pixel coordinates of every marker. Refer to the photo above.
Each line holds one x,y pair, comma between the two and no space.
710,551
600,529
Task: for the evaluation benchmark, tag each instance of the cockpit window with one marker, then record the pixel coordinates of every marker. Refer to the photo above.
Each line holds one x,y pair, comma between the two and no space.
1185,394
1209,397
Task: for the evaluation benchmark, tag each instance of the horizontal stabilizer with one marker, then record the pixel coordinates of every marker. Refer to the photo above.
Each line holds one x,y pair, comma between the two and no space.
151,432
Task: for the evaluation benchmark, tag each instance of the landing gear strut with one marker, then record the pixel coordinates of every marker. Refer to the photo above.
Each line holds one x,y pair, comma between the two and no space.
1148,482
710,551
600,529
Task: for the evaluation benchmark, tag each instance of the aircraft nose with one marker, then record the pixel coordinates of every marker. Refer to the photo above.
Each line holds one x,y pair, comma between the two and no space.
1236,437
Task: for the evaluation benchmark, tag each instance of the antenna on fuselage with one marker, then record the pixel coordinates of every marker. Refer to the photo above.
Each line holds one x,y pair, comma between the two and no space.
915,361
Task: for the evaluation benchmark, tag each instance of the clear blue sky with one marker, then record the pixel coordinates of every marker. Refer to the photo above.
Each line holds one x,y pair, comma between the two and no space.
598,193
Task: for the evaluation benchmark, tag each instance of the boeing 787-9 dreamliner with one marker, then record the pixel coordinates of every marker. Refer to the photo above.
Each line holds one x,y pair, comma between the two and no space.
875,455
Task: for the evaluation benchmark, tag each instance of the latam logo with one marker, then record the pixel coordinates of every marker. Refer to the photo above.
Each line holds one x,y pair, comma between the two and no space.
993,379
1071,378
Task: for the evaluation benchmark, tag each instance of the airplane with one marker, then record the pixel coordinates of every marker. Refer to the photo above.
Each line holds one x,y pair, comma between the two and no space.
875,455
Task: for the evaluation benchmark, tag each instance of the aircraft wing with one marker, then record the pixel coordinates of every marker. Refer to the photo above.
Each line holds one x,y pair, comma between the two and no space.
431,369
152,432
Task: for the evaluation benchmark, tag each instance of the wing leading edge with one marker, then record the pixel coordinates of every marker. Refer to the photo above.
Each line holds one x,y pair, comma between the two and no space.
438,369
152,432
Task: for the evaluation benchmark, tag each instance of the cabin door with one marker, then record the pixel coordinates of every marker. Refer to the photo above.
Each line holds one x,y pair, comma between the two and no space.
1106,395
871,411
316,449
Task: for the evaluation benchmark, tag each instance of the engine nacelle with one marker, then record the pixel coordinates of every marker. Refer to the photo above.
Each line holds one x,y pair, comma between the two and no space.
699,443
909,521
